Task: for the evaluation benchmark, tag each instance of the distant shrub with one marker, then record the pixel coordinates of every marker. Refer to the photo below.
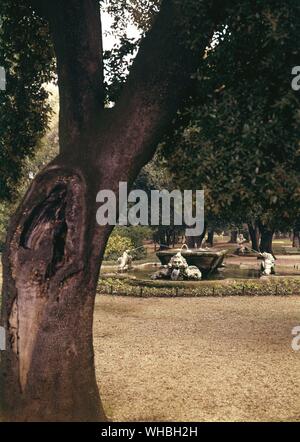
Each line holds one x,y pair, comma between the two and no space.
117,245
135,234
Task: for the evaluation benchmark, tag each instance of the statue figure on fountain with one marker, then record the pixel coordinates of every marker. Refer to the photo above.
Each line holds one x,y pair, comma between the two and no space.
178,270
125,262
268,265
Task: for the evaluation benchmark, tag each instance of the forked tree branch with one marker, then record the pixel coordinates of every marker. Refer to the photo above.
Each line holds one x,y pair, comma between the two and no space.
159,81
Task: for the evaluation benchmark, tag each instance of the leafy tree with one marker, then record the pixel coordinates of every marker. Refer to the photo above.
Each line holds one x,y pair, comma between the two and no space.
116,245
135,235
239,136
28,58
156,176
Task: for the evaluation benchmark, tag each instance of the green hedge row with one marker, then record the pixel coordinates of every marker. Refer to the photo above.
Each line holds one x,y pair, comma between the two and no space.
272,287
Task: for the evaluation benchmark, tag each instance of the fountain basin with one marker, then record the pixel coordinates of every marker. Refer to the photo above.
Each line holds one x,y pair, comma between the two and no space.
207,261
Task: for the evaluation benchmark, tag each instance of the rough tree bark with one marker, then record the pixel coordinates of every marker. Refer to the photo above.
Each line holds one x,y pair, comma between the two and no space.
54,247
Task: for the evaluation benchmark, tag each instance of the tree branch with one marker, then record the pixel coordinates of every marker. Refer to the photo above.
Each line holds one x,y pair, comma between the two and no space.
159,81
76,29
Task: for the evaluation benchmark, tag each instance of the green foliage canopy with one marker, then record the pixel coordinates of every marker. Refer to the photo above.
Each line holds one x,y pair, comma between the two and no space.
27,56
239,136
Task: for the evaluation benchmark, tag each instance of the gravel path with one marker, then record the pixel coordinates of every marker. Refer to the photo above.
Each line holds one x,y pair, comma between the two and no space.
201,359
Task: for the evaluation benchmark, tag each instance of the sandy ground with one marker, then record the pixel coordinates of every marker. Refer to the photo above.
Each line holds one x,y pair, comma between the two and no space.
201,359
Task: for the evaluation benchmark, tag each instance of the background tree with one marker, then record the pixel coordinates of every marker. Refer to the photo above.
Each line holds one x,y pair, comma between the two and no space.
239,136
296,234
28,58
156,176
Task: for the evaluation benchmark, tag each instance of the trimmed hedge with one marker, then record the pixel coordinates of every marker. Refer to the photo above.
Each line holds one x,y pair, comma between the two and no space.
271,287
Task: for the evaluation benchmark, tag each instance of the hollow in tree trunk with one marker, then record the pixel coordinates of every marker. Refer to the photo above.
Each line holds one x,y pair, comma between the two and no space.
50,278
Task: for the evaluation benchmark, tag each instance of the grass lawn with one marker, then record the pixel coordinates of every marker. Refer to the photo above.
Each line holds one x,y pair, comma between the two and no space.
198,359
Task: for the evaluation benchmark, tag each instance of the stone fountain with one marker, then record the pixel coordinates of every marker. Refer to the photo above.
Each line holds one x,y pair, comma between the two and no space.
205,260
178,269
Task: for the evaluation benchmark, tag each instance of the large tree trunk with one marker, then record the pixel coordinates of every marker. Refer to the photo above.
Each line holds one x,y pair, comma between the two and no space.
254,235
50,276
53,250
54,247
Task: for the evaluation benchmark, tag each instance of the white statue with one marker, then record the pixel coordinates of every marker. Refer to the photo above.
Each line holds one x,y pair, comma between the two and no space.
177,266
178,269
125,262
192,272
241,239
268,264
242,249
